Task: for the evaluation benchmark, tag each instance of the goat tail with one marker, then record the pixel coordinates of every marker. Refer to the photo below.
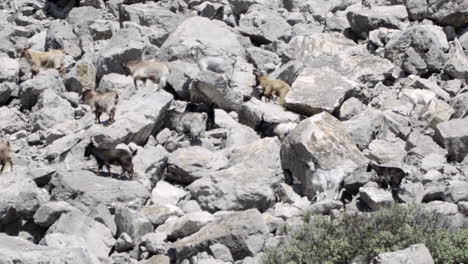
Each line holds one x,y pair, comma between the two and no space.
134,152
116,100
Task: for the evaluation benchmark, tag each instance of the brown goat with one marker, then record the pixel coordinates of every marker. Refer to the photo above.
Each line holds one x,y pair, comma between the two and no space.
101,103
5,155
273,87
47,59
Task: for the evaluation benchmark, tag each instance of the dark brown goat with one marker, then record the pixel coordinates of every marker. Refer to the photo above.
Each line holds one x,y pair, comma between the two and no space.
106,157
5,155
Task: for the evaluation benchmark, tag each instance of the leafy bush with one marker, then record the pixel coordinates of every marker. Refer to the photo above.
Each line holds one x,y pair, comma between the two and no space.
341,240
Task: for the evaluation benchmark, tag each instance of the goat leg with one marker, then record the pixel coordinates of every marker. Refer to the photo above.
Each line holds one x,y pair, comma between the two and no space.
3,166
108,168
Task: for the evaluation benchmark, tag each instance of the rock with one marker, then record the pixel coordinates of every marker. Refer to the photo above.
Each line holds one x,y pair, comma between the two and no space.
131,222
411,192
235,133
242,6
432,176
338,156
121,84
165,193
351,108
187,165
451,135
102,29
155,243
325,206
11,120
364,20
417,254
16,249
221,252
60,35
375,198
50,110
264,60
182,74
49,212
186,225
252,111
264,26
316,90
151,162
198,32
460,104
457,191
125,45
417,9
159,213
388,151
423,146
101,214
453,14
437,112
456,64
407,49
242,232
10,69
91,189
134,122
441,208
433,161
463,208
236,187
158,259
98,238
81,76
123,243
6,90
32,88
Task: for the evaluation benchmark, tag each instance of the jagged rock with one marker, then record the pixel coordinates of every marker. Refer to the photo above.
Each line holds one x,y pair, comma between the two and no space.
103,29
125,45
134,122
49,212
50,110
158,213
9,70
165,193
433,161
16,249
81,76
252,111
93,3
456,64
242,232
221,252
155,243
442,208
338,156
187,165
388,151
457,191
235,134
411,192
121,84
375,198
32,88
151,162
236,187
98,237
87,187
364,20
453,13
131,222
351,108
198,32
422,145
417,254
60,35
123,243
11,120
317,90
264,26
431,176
6,90
463,208
325,206
182,74
264,60
419,49
452,136
186,225
417,9
460,104
242,6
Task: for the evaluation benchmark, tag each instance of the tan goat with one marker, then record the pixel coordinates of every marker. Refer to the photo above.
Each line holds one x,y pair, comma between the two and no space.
157,72
5,155
47,59
101,103
273,87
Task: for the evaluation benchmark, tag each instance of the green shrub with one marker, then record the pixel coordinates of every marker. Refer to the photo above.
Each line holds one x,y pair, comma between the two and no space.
339,241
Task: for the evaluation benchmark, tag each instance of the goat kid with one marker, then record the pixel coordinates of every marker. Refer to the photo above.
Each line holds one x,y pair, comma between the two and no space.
187,123
274,129
209,109
5,155
101,103
107,157
157,72
47,59
272,87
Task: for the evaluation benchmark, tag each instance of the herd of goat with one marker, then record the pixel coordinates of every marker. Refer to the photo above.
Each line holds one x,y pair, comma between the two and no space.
197,117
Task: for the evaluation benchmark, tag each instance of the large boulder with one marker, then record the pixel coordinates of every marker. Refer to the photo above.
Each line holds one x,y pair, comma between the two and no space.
9,70
364,20
244,233
252,112
186,225
318,154
50,110
453,136
88,188
98,237
453,13
316,90
61,36
132,223
419,49
11,120
415,254
457,62
32,88
15,249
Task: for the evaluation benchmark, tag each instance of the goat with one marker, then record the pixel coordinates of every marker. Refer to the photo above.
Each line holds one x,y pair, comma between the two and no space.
106,157
389,177
5,155
209,109
274,129
272,87
47,59
187,123
157,72
101,103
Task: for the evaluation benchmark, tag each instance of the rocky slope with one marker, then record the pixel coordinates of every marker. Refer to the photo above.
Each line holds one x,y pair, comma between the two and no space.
379,91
